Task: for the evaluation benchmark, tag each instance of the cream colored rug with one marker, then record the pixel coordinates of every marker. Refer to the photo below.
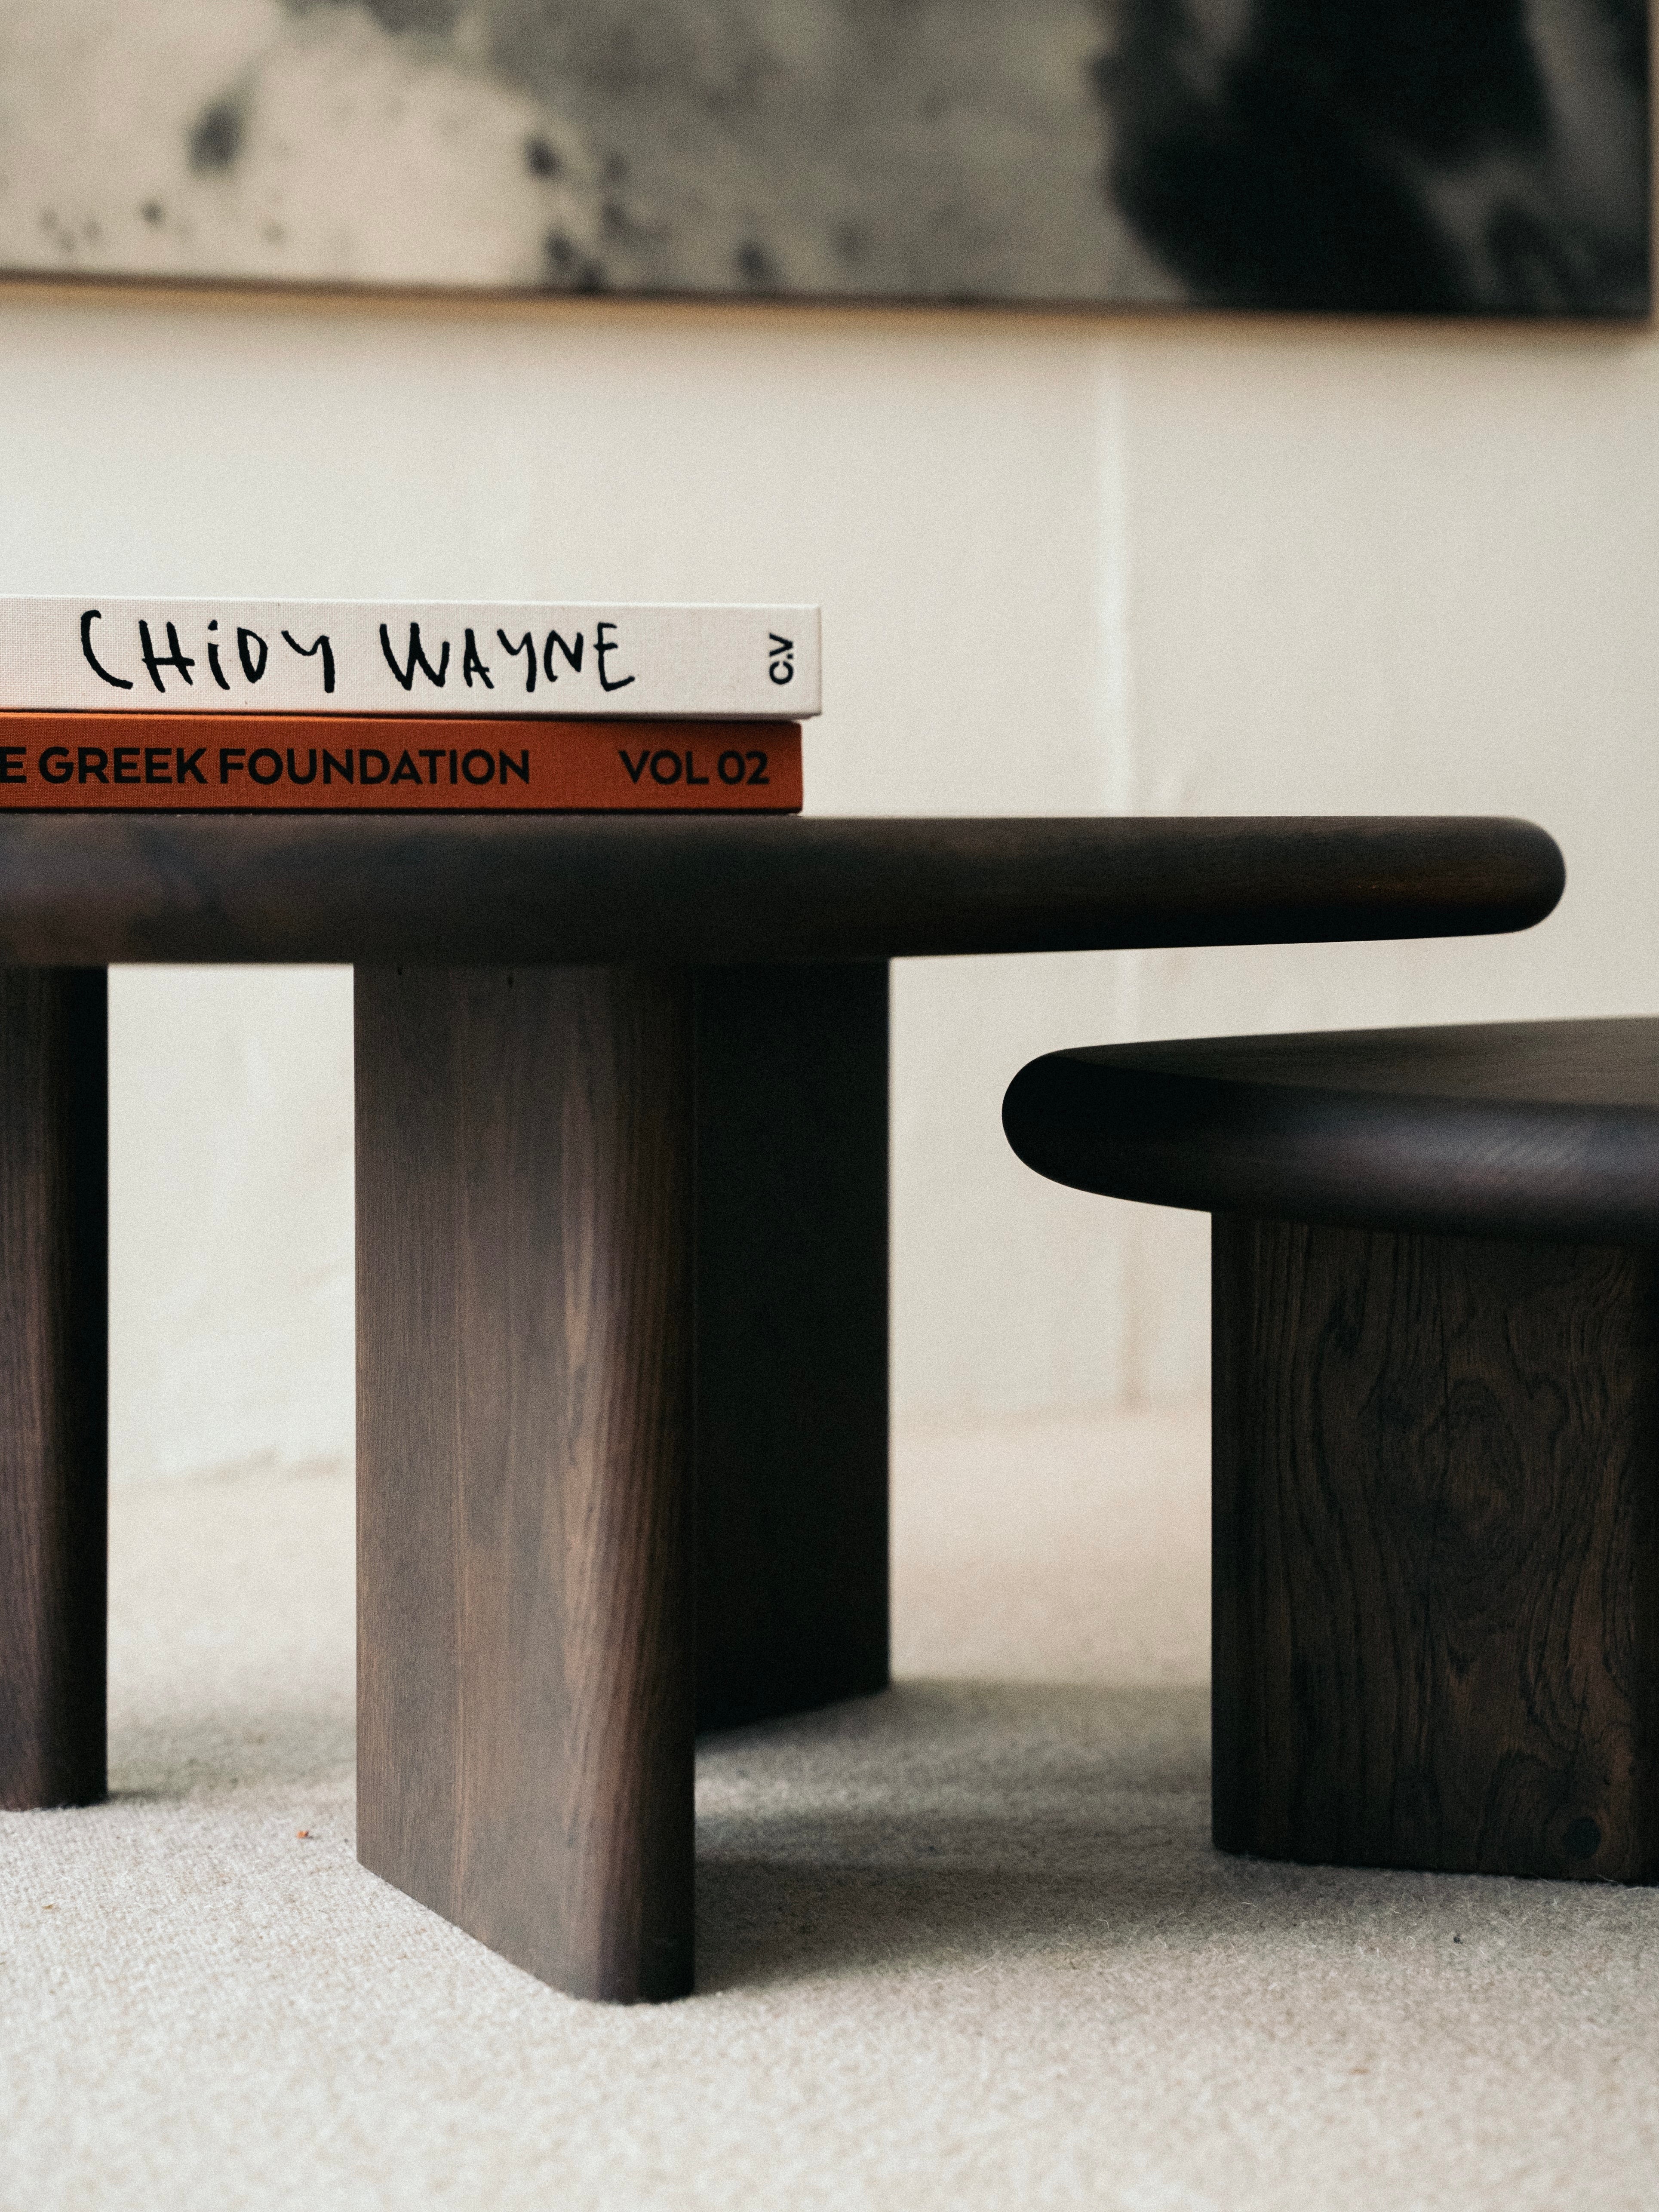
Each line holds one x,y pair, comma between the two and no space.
963,1945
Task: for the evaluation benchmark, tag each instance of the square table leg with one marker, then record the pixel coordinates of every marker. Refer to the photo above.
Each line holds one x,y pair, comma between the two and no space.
790,1338
613,1226
523,1390
1437,1551
54,1249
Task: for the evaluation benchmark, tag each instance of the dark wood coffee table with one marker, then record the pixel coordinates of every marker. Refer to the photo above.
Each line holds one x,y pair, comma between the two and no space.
1435,1308
621,1215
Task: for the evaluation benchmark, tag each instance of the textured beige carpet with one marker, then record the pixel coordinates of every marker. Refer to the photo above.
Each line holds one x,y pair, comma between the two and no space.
963,1945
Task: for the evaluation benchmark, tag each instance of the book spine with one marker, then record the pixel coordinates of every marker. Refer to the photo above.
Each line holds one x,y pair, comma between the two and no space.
351,657
305,763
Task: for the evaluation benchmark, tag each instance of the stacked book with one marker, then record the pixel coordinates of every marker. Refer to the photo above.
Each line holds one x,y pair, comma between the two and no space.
310,705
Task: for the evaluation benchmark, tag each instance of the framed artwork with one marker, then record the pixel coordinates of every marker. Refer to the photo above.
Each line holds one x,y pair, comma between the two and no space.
1417,156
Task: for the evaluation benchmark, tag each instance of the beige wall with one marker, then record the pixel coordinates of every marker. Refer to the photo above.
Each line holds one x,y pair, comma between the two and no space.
1186,565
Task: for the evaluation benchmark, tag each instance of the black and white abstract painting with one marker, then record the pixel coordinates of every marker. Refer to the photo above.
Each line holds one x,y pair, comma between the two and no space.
1432,156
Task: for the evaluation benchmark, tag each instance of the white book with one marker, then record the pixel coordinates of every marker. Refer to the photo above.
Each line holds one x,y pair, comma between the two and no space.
368,657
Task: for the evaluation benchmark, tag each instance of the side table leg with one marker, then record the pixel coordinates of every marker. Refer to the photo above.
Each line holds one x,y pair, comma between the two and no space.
524,1302
1436,1551
54,1244
792,1339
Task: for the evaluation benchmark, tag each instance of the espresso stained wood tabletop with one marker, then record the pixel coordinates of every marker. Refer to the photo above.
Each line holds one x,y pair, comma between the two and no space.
1534,1129
86,890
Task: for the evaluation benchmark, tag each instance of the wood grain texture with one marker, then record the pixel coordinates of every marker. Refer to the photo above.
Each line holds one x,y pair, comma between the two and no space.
81,889
1436,1572
526,1666
1532,1129
53,1367
792,1339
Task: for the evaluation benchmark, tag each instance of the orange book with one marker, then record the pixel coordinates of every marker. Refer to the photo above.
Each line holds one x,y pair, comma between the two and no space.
370,763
